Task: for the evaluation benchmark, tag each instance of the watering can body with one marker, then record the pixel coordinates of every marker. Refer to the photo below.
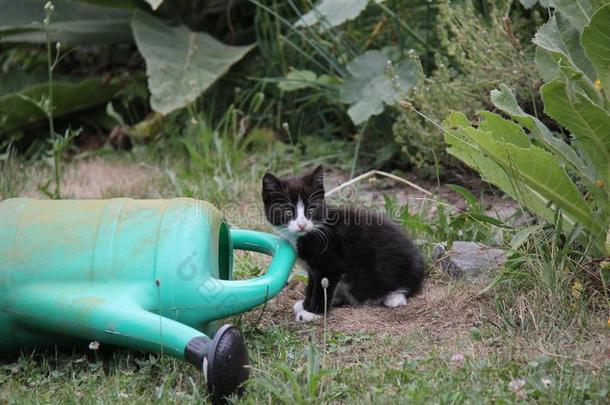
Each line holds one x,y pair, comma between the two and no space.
153,275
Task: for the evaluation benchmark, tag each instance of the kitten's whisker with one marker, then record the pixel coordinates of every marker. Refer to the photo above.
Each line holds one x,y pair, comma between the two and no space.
280,196
320,231
323,240
315,195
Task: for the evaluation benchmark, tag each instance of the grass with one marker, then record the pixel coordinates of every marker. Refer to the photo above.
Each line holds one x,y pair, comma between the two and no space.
525,338
394,374
359,368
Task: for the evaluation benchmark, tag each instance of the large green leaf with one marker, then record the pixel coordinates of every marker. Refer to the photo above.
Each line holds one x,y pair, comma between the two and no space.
505,100
331,13
587,121
539,170
505,130
530,175
546,64
596,41
559,38
579,82
462,147
17,80
20,109
579,12
375,81
71,22
180,64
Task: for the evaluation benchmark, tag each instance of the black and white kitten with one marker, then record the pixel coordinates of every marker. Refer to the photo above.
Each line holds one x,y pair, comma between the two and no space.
366,258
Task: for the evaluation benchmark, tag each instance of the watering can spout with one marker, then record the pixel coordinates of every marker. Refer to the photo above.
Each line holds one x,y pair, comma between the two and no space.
242,295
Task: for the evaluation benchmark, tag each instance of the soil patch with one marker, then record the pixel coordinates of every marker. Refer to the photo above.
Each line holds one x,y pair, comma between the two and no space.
443,315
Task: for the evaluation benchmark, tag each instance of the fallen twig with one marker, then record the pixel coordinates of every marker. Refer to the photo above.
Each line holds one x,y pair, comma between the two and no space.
376,173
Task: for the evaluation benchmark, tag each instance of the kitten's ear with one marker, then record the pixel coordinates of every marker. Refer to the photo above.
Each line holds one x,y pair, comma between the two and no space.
316,177
271,183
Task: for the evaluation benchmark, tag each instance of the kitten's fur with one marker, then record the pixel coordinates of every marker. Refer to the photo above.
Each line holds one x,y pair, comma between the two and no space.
365,257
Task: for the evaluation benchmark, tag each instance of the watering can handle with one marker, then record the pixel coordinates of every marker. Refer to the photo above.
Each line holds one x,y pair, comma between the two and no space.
243,295
266,243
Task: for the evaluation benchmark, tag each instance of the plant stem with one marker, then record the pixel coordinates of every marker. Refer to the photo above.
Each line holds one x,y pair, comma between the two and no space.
357,150
325,286
57,152
50,68
56,143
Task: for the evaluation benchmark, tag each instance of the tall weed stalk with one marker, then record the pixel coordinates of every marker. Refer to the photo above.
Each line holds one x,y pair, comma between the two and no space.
58,143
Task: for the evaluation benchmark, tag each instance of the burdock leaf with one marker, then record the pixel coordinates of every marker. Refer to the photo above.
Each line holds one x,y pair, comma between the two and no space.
374,82
180,64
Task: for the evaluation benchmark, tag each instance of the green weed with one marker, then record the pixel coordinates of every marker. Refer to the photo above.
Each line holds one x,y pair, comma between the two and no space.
447,223
479,46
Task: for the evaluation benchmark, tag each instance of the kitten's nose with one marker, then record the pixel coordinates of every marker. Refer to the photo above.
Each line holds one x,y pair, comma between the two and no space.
302,226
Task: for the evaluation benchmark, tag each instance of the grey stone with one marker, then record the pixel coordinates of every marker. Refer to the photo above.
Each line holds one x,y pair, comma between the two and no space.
471,260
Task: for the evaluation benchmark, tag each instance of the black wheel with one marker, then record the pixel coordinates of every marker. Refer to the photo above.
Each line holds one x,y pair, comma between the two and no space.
224,361
228,363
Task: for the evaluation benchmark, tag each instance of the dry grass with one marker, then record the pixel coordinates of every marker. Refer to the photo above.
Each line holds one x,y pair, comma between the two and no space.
445,318
442,313
100,178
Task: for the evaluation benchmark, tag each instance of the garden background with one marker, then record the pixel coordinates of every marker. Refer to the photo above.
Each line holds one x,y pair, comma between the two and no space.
497,110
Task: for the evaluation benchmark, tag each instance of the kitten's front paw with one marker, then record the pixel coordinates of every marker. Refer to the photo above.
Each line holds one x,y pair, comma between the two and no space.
306,316
395,299
298,307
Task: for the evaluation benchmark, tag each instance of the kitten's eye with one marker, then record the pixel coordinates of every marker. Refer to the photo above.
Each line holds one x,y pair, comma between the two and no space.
311,210
288,212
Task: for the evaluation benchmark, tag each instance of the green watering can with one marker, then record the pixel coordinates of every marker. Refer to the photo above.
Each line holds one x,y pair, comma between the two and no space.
152,275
